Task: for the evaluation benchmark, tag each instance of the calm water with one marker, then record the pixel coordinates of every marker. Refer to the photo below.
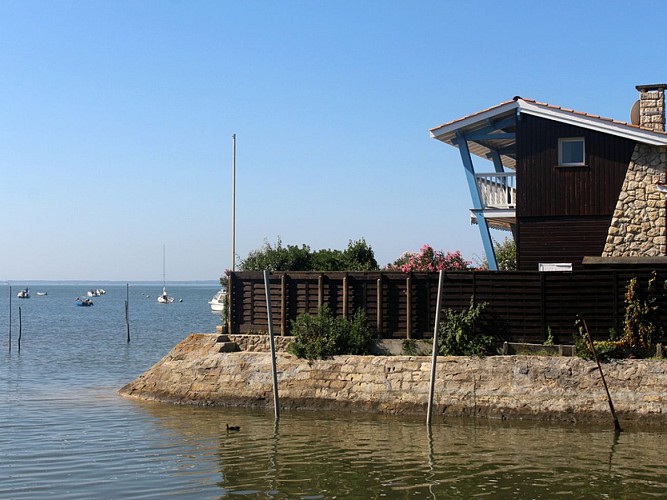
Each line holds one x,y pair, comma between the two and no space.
66,434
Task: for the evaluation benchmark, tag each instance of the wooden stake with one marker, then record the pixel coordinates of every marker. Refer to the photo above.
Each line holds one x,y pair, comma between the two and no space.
10,318
267,291
127,311
20,329
431,387
617,426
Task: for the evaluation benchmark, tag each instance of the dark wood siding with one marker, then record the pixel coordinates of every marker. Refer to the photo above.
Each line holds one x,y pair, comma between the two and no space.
546,190
560,239
563,213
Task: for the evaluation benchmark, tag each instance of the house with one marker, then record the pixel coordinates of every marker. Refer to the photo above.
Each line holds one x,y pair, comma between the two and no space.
567,184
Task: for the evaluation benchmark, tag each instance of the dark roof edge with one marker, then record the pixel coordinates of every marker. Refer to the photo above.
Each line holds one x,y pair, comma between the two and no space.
654,86
660,261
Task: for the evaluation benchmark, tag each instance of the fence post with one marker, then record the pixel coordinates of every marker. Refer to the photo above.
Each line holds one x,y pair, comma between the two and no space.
379,305
408,307
320,291
230,303
543,303
345,296
283,304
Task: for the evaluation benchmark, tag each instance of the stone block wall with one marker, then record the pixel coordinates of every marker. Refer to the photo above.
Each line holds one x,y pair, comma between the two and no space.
638,226
519,387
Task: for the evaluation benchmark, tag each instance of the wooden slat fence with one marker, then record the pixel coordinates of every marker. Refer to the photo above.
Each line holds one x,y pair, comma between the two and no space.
522,305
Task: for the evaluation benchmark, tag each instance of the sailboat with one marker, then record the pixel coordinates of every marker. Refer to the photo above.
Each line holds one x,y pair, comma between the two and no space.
164,298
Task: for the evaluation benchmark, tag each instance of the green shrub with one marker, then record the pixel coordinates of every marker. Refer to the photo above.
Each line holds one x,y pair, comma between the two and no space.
457,335
550,337
324,335
641,325
410,347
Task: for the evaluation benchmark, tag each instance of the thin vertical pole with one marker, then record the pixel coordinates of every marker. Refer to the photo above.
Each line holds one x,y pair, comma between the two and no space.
10,318
127,311
233,202
617,426
431,386
276,401
408,307
20,329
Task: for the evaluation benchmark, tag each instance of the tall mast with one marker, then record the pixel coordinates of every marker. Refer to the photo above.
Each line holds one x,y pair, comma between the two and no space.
233,202
164,274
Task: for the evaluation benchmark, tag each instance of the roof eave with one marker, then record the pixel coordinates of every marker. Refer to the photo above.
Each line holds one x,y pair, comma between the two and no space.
447,132
595,123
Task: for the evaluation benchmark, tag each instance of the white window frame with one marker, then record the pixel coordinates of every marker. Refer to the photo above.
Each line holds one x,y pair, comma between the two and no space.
564,140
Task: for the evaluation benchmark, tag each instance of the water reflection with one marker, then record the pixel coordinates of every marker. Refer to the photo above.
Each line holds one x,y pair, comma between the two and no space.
355,456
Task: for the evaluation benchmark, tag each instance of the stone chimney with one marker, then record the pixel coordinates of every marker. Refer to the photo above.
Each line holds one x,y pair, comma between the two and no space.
652,106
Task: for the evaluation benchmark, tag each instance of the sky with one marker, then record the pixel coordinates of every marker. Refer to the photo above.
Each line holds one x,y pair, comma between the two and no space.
117,118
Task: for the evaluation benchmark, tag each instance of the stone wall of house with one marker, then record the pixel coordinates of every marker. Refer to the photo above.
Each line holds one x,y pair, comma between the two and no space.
638,226
199,371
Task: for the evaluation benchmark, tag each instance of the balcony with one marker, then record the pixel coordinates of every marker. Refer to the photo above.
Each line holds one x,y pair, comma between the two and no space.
497,193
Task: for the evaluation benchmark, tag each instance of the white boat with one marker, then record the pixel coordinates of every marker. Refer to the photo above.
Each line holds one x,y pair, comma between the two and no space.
24,294
165,298
42,294
219,301
95,292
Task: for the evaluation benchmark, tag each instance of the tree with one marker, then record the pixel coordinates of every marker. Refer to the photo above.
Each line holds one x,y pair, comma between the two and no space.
278,258
505,254
358,256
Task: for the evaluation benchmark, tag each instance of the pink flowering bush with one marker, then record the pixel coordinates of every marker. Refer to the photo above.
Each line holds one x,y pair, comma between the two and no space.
430,260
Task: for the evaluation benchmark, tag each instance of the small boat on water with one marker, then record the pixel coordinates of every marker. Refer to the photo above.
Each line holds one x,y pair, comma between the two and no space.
165,298
42,294
83,302
95,292
219,300
24,294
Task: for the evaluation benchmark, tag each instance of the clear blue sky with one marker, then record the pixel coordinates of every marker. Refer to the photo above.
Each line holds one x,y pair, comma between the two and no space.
117,118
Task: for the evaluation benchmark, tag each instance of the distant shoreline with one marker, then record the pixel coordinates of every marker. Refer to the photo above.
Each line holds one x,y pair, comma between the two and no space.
109,282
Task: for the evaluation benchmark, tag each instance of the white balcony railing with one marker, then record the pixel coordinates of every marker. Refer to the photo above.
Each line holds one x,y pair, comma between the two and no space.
497,189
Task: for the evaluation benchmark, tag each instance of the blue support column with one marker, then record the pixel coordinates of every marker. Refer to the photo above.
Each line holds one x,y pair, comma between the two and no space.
484,231
494,156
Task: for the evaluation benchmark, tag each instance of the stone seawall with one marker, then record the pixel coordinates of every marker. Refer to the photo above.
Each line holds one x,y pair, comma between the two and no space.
204,369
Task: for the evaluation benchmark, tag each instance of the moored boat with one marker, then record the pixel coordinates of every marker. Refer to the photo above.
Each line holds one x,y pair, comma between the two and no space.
165,298
83,302
219,301
24,294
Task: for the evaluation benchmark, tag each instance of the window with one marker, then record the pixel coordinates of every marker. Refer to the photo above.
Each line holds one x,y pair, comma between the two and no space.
571,151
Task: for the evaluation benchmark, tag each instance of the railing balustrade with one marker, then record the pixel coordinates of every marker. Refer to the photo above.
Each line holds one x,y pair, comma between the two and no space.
497,189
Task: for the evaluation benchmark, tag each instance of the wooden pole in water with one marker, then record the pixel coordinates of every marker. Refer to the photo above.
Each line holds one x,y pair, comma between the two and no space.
127,311
431,387
20,329
617,426
10,318
276,401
